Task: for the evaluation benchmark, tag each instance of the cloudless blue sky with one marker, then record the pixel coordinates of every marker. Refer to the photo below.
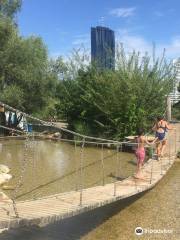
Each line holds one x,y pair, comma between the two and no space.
64,24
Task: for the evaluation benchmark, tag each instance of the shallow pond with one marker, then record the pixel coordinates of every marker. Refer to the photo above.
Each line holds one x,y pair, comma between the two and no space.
54,170
42,168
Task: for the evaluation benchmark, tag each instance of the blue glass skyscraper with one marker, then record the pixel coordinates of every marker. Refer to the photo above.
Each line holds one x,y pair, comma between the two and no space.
103,47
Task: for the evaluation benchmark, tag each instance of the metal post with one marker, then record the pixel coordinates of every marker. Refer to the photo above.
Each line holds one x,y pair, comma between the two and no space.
175,136
117,162
152,165
81,170
170,144
102,163
23,168
120,150
161,165
76,162
34,163
169,149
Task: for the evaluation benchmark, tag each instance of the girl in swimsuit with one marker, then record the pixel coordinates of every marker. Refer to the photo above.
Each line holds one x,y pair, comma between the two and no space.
160,127
140,152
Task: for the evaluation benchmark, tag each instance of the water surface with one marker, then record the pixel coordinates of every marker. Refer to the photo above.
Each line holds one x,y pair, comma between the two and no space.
155,209
42,168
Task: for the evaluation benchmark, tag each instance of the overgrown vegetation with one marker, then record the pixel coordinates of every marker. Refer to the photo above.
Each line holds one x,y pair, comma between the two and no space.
116,103
105,103
26,81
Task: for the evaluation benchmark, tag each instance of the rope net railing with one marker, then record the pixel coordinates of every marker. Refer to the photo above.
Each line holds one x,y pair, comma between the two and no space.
45,123
78,175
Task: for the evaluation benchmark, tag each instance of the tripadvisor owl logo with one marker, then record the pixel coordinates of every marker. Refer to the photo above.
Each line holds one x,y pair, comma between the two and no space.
139,231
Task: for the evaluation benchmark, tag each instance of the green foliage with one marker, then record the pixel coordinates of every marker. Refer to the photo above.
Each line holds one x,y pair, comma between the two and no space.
8,8
103,103
13,95
79,59
25,64
49,111
116,103
26,81
58,67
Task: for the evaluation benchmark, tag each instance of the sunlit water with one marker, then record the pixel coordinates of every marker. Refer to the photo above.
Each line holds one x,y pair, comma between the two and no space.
155,209
44,168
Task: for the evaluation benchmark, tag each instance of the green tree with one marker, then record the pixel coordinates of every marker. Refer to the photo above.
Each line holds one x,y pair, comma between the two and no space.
26,80
116,103
25,65
9,8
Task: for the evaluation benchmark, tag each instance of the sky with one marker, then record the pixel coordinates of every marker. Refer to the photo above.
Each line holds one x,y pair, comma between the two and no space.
65,24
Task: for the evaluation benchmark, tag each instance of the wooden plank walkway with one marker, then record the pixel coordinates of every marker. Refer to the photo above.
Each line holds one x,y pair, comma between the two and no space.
53,208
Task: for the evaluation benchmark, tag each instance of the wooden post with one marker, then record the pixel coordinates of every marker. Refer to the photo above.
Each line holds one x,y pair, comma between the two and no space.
168,111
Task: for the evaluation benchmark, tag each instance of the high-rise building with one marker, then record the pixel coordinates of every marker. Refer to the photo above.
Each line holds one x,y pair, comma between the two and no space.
103,47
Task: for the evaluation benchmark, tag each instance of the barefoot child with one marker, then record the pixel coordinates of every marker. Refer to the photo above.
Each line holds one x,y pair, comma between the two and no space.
161,127
140,152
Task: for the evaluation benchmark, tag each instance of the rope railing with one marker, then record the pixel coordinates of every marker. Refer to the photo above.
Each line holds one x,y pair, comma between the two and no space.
80,165
81,190
83,142
102,144
109,143
65,130
12,129
51,124
67,175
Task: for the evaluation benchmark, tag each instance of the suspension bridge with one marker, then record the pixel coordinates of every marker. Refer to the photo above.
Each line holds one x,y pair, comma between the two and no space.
49,209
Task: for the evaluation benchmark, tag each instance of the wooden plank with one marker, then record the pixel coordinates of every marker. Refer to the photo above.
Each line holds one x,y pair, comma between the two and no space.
53,208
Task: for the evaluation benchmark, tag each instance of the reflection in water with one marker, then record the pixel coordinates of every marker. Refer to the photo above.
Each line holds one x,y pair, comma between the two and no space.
54,167
155,209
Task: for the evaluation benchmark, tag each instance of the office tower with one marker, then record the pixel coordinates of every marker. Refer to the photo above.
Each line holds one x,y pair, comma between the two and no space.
103,47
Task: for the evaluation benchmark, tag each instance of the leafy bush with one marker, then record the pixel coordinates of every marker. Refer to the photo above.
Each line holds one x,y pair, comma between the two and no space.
115,103
103,103
26,81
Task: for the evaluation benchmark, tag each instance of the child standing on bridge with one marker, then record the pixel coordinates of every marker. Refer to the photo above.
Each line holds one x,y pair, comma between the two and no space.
140,152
